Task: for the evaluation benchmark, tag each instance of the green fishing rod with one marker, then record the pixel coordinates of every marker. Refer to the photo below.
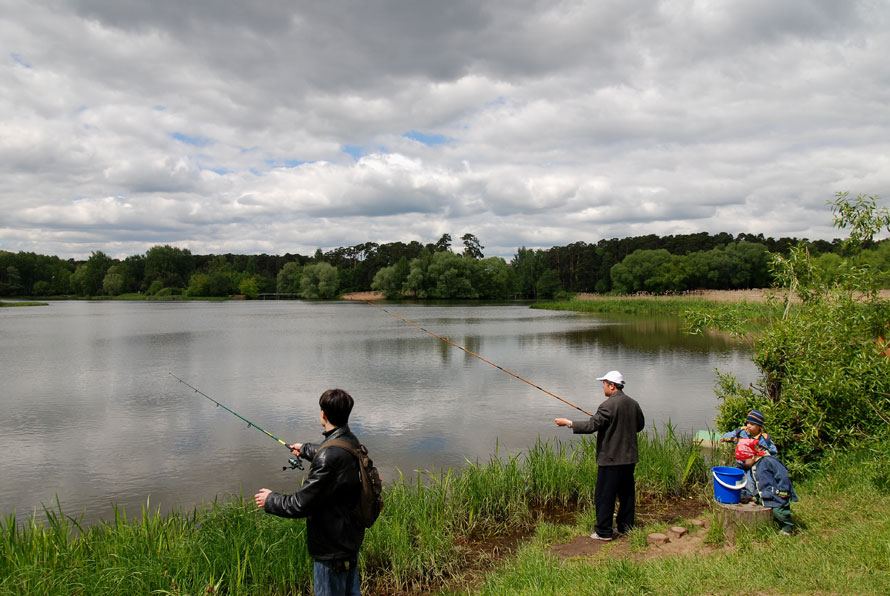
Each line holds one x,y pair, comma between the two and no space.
293,461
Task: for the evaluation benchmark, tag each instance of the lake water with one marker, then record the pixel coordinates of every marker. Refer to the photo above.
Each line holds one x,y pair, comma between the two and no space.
92,415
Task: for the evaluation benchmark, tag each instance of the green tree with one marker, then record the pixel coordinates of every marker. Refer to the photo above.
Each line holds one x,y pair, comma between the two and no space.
288,280
494,279
749,265
113,282
443,244
11,283
132,269
155,287
42,288
879,261
419,283
90,275
472,246
529,266
639,272
170,265
249,287
319,281
391,280
548,284
216,284
709,269
452,276
671,276
828,266
199,285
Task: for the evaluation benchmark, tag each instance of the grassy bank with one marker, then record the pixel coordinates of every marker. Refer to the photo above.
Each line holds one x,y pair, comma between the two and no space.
137,297
437,534
2,304
842,548
736,318
660,305
429,534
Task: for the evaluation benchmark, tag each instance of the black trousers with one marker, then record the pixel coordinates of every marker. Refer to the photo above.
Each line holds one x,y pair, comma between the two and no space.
615,483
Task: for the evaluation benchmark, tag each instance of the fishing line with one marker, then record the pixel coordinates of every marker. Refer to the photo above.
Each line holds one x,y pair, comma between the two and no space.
500,368
294,462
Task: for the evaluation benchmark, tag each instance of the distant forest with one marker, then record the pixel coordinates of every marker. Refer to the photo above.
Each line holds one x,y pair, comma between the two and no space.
653,264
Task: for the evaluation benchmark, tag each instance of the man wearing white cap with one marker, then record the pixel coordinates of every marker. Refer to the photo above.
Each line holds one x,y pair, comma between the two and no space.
616,424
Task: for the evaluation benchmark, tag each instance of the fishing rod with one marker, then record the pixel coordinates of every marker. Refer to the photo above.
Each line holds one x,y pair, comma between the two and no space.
500,368
295,463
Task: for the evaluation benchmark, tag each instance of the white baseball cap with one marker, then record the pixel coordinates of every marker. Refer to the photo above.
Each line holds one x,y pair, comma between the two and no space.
613,376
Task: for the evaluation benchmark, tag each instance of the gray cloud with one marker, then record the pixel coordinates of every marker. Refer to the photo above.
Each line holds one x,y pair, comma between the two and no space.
274,127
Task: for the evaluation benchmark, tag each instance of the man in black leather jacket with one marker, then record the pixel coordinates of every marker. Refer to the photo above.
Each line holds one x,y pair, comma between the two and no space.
327,497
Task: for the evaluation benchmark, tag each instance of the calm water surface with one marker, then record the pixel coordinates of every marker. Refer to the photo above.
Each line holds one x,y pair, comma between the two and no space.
91,414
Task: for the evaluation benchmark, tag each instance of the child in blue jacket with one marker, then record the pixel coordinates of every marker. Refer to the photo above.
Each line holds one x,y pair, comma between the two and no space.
771,482
753,429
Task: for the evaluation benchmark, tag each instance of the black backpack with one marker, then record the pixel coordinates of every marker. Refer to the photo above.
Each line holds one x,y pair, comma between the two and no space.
370,502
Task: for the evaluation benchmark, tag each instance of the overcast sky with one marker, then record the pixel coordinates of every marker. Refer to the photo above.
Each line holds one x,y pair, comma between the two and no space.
280,126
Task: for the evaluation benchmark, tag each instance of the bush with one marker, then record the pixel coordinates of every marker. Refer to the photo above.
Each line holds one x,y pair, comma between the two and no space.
825,374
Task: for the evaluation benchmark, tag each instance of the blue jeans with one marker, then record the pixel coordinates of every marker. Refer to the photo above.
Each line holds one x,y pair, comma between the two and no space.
336,578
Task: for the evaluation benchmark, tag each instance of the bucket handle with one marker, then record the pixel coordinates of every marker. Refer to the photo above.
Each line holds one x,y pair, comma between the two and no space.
730,486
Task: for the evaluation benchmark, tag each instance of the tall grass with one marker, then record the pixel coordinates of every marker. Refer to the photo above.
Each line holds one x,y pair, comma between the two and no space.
663,305
671,463
422,538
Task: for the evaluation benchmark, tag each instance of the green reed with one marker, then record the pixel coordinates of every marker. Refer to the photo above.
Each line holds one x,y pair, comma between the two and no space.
664,305
424,537
671,464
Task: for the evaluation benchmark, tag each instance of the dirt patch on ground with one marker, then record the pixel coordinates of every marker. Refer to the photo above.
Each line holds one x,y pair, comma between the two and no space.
692,543
649,512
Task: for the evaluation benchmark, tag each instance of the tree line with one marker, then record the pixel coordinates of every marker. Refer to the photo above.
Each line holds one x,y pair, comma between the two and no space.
651,263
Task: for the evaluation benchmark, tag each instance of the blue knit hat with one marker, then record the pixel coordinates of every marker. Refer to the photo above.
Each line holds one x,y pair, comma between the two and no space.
755,417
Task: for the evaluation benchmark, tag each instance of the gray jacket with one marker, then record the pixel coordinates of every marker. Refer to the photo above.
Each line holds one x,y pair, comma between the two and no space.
616,424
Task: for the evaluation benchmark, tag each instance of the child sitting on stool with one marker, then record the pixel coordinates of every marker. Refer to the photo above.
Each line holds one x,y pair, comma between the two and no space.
771,482
753,429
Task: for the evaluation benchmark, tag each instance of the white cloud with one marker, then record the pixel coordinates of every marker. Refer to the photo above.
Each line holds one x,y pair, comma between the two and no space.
225,128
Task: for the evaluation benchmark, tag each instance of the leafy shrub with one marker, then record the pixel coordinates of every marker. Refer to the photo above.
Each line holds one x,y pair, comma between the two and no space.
825,374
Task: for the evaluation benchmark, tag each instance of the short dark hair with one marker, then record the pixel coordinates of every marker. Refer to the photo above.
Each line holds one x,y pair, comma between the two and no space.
336,405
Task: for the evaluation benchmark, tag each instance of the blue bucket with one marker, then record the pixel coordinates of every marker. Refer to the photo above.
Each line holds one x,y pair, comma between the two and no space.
728,484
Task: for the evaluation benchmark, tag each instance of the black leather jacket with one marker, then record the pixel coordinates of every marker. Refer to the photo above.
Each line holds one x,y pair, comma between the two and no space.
327,496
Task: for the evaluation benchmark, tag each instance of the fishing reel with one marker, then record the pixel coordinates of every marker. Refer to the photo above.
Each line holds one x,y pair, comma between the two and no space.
295,464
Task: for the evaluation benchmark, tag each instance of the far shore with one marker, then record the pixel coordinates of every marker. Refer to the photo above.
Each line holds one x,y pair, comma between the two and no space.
754,295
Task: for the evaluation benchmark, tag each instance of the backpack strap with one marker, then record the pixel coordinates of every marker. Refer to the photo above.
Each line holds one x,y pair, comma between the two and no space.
342,444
